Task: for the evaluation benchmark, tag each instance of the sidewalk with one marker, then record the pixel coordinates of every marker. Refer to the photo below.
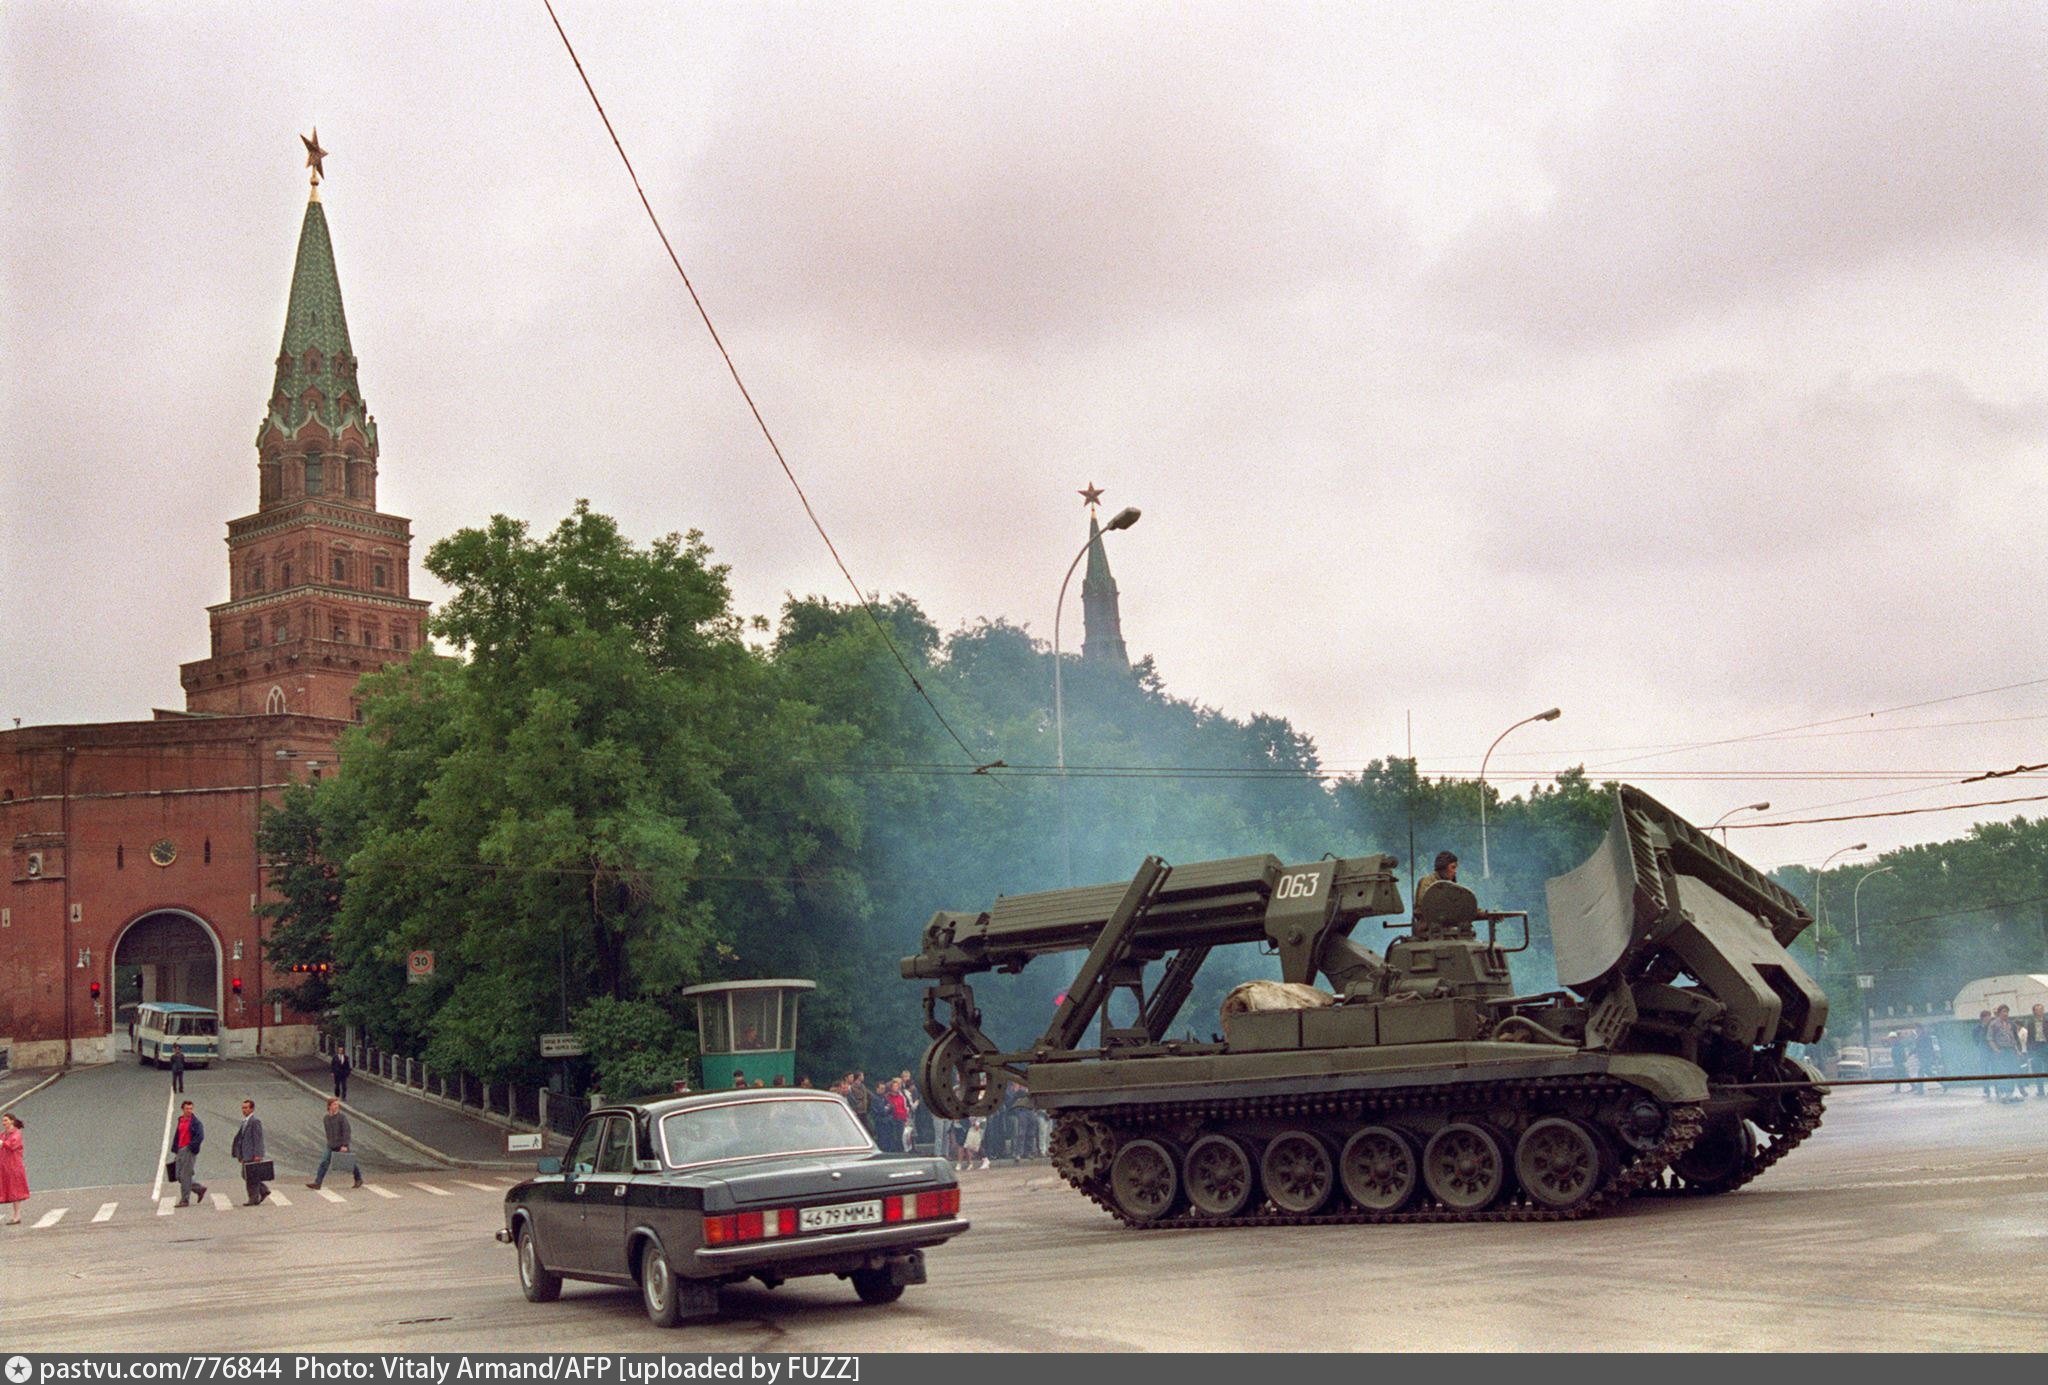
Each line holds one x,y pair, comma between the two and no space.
436,1127
16,1083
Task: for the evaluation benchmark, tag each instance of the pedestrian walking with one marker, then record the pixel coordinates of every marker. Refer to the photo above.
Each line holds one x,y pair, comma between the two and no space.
177,1067
2037,1046
250,1151
1899,1055
13,1167
339,1068
185,1142
1927,1050
336,1122
1982,1035
2002,1038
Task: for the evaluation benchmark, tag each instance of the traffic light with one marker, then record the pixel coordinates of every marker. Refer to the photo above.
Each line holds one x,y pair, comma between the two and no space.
94,988
236,985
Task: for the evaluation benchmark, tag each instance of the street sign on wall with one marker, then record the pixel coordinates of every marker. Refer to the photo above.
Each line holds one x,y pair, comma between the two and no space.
560,1046
418,966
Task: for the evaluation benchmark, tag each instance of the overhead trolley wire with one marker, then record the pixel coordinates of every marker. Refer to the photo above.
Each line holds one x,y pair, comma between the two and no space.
733,368
1827,721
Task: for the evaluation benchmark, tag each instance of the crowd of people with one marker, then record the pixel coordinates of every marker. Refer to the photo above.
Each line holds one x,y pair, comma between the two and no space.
2002,1046
899,1120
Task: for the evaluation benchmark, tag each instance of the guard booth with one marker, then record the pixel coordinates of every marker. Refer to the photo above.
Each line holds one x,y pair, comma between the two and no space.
747,1027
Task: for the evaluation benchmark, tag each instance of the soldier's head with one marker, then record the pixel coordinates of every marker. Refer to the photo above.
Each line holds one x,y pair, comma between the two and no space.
1446,865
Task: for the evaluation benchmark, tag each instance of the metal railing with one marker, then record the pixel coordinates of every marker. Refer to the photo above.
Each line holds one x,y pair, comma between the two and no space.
510,1103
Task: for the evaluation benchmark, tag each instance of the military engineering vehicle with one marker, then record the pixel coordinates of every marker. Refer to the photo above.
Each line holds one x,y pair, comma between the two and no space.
1419,1087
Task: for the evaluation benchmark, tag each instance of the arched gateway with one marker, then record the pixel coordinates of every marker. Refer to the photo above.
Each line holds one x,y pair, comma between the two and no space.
166,955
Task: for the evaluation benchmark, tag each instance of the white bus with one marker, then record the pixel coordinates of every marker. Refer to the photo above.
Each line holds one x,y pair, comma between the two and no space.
160,1027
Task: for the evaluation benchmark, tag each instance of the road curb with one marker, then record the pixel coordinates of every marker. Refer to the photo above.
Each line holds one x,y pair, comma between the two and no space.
4,1105
370,1120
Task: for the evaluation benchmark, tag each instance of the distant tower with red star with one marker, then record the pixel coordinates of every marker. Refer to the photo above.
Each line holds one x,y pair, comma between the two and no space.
1102,639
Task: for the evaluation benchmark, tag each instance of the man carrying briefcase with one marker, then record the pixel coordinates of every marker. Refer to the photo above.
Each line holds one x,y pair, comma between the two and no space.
257,1170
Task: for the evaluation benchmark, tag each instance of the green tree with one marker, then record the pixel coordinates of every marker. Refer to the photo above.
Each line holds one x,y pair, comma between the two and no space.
307,886
590,805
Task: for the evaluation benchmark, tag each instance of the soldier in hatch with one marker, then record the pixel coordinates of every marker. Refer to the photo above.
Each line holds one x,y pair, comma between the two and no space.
1446,868
1450,913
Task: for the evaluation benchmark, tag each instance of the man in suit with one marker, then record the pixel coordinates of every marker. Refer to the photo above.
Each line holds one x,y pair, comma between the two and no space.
249,1149
340,1067
337,1143
177,1067
185,1142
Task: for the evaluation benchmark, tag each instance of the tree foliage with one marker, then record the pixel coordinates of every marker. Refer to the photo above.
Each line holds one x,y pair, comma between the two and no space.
609,794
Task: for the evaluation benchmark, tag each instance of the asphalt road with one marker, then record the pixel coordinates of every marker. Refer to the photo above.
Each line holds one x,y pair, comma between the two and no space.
1906,1222
103,1127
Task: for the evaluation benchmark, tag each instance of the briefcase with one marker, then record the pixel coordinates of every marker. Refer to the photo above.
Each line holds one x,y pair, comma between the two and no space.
260,1171
171,1171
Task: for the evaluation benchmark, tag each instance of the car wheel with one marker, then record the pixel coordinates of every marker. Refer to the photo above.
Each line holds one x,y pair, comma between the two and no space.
876,1286
658,1288
535,1281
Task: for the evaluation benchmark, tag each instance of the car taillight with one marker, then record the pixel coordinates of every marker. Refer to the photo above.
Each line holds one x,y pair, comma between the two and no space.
944,1203
736,1227
919,1206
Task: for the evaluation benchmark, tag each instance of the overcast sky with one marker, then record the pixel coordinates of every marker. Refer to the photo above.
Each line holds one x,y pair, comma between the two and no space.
1679,365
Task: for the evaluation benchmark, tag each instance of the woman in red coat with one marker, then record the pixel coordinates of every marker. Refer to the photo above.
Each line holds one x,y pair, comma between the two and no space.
13,1169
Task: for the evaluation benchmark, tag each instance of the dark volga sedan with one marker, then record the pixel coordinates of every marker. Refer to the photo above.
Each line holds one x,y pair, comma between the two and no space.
681,1195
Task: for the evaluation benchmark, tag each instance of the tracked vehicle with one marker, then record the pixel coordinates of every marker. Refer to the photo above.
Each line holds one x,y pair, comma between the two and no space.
1418,1086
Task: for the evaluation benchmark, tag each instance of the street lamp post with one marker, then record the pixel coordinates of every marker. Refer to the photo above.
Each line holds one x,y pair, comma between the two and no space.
1745,808
1122,519
1820,953
1485,866
1856,917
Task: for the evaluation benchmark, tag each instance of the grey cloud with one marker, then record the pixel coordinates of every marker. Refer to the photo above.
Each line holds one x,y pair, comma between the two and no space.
997,177
1730,468
1744,153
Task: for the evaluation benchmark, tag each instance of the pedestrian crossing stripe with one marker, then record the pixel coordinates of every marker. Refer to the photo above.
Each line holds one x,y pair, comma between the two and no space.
168,1203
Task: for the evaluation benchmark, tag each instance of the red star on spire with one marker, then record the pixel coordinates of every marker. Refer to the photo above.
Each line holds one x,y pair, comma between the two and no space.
314,153
1092,496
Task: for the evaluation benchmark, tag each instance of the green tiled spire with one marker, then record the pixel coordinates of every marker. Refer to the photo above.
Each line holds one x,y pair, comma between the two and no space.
316,371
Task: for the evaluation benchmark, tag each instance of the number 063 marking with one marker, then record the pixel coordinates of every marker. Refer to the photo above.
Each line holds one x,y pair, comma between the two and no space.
1304,886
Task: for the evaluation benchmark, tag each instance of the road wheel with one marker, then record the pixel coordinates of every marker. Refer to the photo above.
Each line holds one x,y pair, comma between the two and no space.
658,1287
876,1285
1144,1178
1464,1168
1220,1177
1298,1172
535,1281
1719,1159
1378,1169
1558,1163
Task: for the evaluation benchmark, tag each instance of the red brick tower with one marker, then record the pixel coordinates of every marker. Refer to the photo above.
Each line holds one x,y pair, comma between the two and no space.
318,578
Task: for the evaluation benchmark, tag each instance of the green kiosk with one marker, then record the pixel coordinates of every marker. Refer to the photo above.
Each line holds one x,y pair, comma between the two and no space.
749,1028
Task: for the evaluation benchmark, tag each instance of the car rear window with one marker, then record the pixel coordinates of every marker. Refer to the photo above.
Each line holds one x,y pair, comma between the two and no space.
760,1128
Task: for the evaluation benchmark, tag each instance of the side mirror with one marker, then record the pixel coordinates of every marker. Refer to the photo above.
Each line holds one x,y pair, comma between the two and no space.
545,1167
